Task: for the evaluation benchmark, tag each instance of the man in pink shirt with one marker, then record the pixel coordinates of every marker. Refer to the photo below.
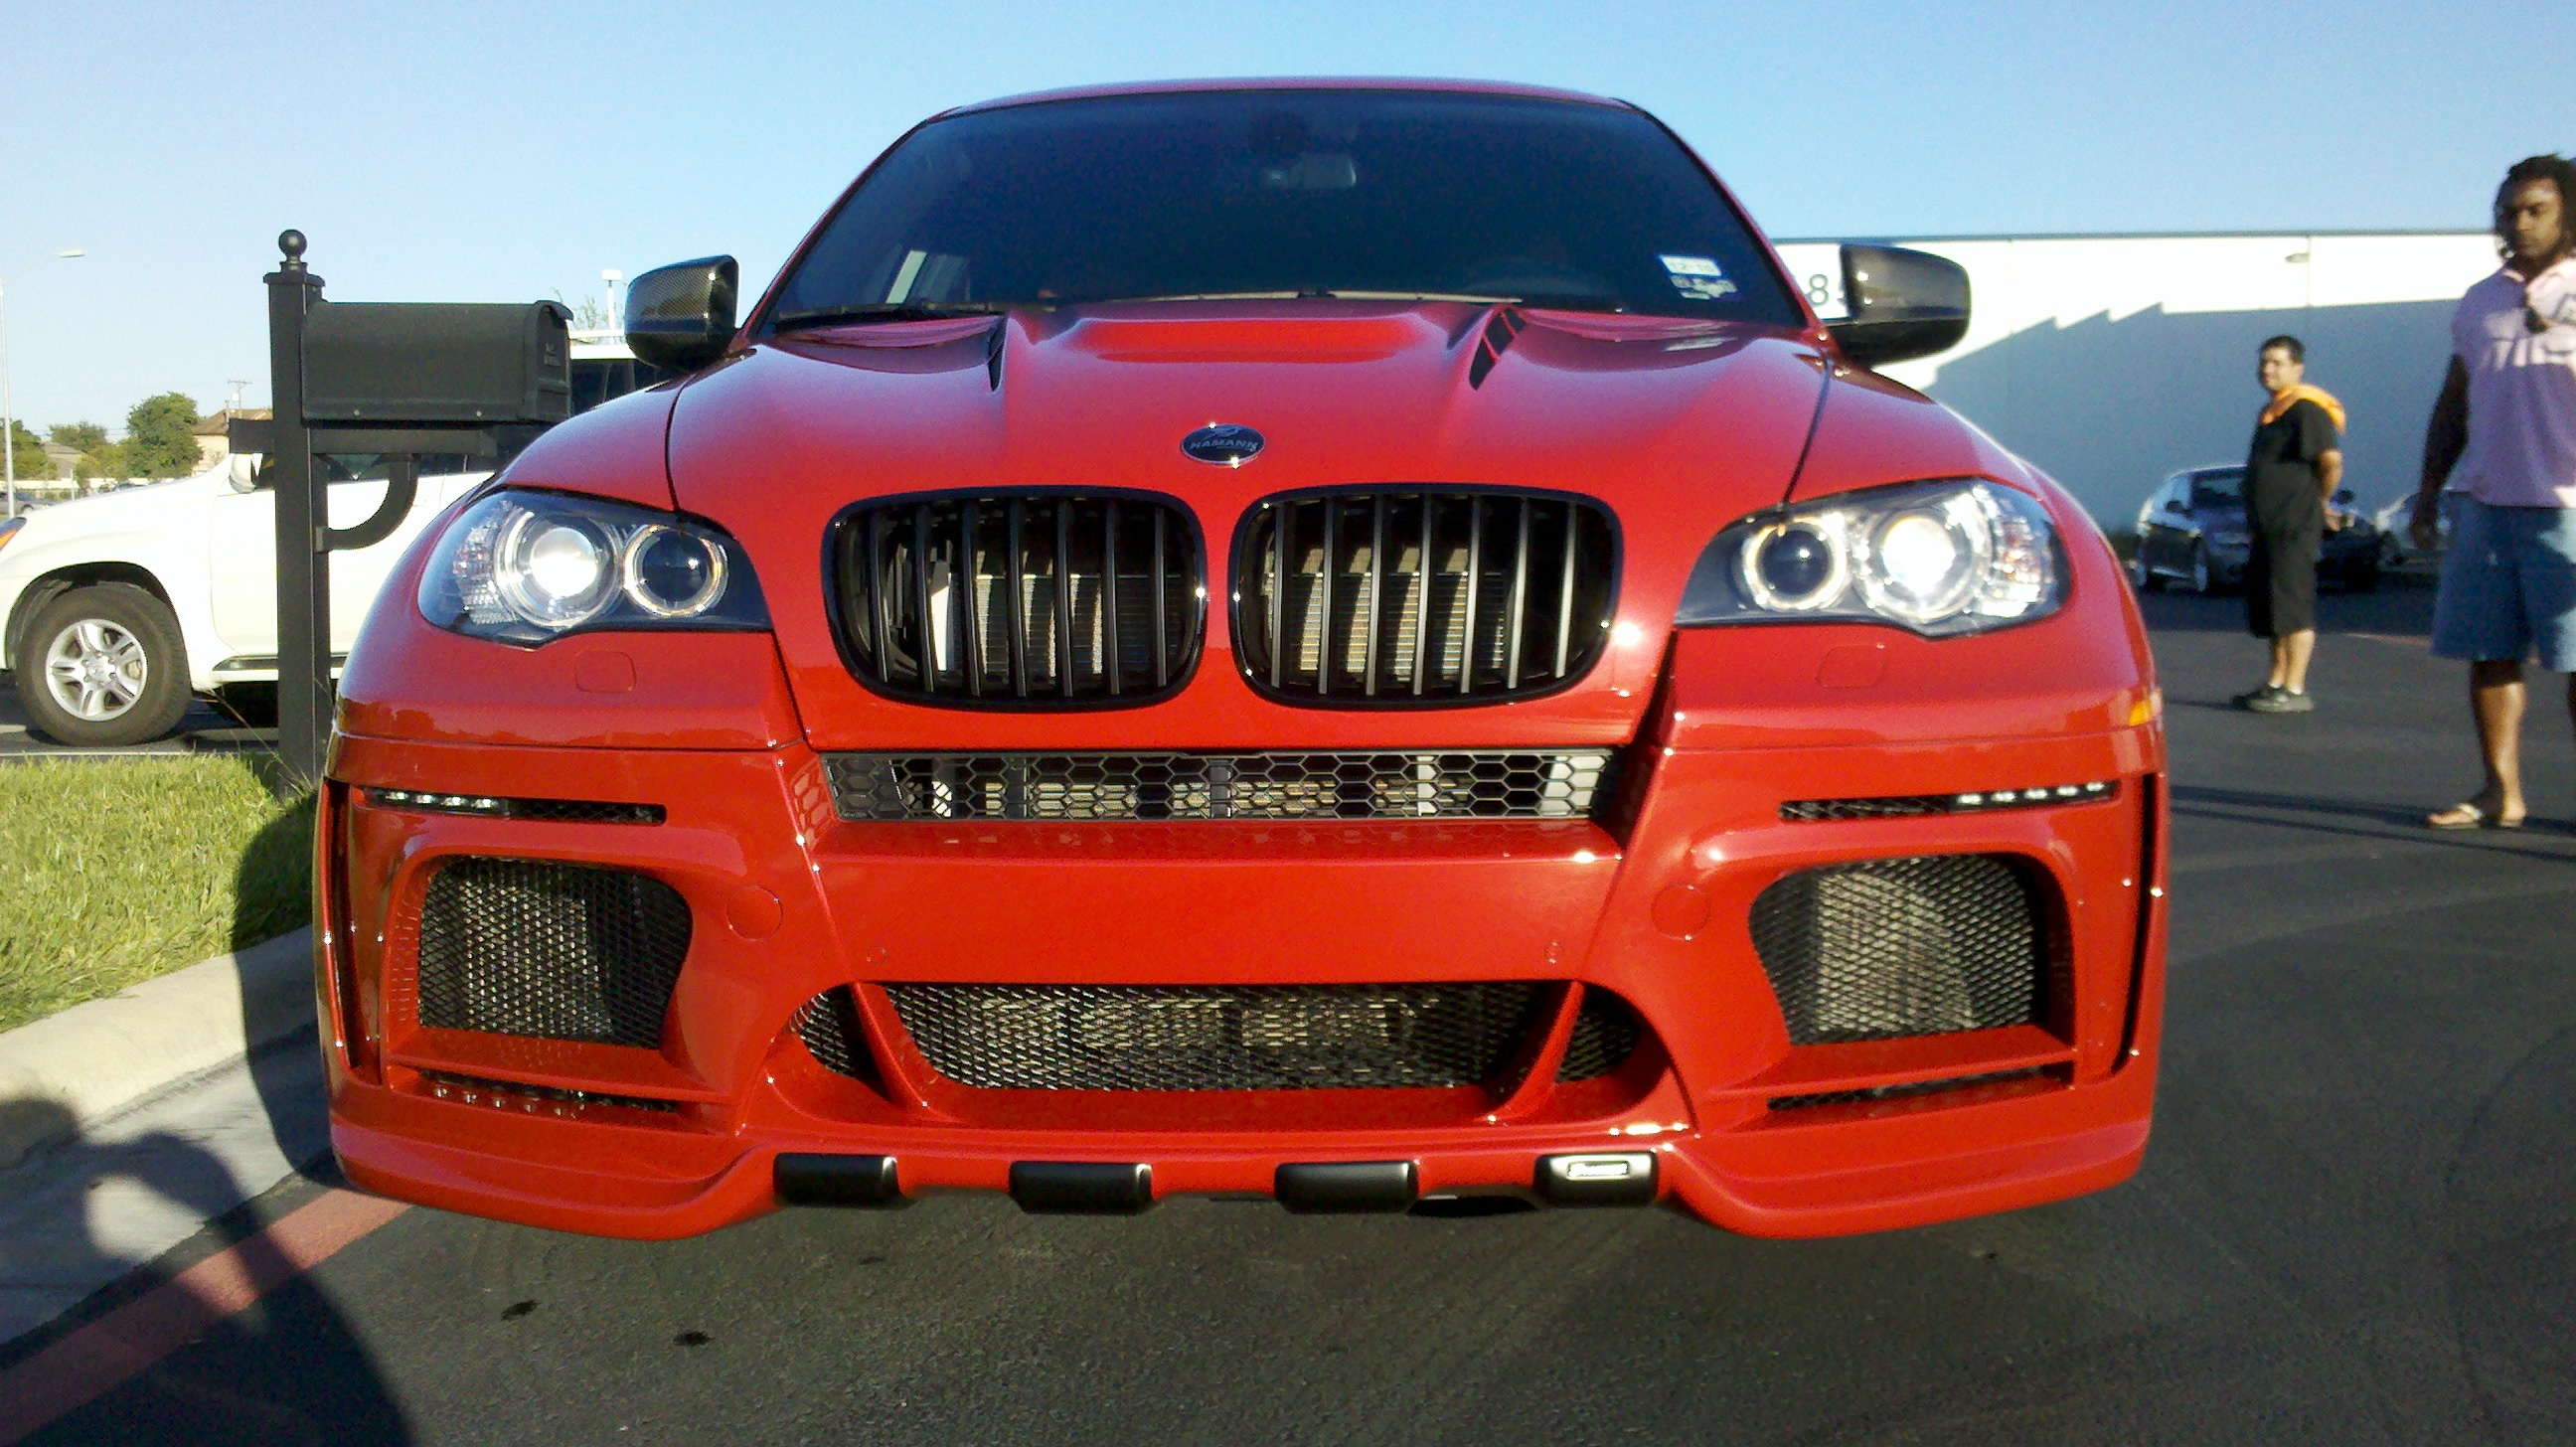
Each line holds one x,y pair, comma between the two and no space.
2501,456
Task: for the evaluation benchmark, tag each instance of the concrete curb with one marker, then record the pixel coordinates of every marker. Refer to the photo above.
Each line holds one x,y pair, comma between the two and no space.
65,1072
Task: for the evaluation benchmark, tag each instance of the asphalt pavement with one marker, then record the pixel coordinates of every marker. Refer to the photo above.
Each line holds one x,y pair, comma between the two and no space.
204,728
2356,1224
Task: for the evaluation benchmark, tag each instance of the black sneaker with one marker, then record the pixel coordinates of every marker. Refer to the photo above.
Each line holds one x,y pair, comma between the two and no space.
2281,700
2246,699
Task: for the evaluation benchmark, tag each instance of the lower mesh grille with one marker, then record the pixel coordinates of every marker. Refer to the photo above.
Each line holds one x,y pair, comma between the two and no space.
829,1026
1262,1037
1606,1032
561,951
1892,947
1485,785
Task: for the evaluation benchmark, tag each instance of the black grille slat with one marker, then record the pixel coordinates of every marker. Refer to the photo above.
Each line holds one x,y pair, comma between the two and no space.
1193,1038
1607,1030
1053,613
1559,784
1410,597
1878,1093
558,951
1926,945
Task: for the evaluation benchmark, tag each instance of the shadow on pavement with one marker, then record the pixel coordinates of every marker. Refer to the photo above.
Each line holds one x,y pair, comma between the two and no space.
285,1370
273,894
2402,823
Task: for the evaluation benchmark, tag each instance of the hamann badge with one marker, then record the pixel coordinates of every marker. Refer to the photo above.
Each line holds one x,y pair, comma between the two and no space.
1224,444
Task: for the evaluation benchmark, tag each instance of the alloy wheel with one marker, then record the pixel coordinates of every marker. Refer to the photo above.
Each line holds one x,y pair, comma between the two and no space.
96,670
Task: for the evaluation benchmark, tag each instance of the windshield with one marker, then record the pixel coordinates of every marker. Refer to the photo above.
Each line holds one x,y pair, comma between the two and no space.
1288,193
2218,489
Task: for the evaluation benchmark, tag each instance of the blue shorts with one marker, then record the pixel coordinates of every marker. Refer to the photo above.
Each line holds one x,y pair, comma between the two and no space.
2508,585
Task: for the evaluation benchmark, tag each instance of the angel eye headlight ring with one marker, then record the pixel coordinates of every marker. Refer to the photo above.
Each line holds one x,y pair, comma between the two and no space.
660,555
1795,566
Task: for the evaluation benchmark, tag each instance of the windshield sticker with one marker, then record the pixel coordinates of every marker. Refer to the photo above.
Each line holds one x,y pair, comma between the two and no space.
1698,277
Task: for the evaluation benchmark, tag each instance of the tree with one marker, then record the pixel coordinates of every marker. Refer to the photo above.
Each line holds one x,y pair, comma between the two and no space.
98,456
160,436
80,436
27,453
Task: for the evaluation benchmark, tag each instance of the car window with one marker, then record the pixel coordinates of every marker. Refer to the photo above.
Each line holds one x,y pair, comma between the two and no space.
1286,192
2218,489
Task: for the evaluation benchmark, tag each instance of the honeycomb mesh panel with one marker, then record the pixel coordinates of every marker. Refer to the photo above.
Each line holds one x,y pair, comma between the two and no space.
1927,945
585,811
829,1026
560,951
1606,1032
1545,785
1258,1037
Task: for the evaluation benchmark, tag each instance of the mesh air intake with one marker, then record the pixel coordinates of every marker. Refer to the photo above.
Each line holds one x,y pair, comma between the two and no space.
1607,1031
1020,599
1483,785
1399,598
561,951
1253,1037
1893,947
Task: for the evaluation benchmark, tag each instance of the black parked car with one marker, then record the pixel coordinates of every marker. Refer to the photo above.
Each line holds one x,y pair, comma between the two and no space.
2192,530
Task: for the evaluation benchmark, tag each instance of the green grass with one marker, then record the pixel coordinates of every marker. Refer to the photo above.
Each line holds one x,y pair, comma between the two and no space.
113,871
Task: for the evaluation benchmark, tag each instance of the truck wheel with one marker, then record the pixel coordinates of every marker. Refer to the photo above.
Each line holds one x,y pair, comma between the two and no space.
102,667
2201,580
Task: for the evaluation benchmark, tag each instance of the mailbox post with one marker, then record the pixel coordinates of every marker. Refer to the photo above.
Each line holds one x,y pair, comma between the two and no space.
398,381
303,519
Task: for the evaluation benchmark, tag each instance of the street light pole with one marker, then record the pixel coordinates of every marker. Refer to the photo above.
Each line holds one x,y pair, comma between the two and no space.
8,414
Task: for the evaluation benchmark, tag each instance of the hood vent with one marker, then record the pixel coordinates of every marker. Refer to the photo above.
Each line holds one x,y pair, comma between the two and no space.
1020,599
1395,598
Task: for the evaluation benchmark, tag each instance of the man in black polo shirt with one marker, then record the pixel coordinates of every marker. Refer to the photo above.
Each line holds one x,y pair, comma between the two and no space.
2290,470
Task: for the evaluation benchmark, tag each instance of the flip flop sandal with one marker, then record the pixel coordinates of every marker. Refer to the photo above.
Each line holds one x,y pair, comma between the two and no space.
2476,818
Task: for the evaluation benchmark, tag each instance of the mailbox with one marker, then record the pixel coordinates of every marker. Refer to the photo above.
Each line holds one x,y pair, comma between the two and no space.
428,363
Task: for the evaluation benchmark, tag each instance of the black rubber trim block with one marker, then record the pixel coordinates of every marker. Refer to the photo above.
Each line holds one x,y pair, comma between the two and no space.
1082,1188
824,1180
1331,1187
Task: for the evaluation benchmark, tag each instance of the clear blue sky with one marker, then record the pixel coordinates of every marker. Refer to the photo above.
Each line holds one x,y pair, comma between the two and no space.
456,152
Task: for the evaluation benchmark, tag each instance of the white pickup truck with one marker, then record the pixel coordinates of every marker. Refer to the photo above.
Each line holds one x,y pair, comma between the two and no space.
114,609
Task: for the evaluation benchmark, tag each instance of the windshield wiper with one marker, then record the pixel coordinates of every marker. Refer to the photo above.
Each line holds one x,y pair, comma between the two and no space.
883,311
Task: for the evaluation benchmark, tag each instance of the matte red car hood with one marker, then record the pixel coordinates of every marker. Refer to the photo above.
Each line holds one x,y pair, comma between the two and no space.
1679,426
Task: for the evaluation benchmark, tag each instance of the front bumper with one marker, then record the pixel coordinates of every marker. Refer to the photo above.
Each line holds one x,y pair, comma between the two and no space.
790,901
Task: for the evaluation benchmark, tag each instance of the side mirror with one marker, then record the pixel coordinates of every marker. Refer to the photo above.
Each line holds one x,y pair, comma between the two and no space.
2343,497
2176,504
681,317
1904,304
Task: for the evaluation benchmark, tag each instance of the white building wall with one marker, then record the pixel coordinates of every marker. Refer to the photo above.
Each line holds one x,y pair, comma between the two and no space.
2110,361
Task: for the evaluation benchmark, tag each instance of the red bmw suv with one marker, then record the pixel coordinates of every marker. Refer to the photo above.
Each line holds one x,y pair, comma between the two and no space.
1351,641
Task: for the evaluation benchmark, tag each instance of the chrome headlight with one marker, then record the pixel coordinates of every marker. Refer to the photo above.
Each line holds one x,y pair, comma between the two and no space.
1940,558
523,567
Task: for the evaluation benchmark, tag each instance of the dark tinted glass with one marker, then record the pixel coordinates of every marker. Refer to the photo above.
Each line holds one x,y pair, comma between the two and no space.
2218,489
1266,192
